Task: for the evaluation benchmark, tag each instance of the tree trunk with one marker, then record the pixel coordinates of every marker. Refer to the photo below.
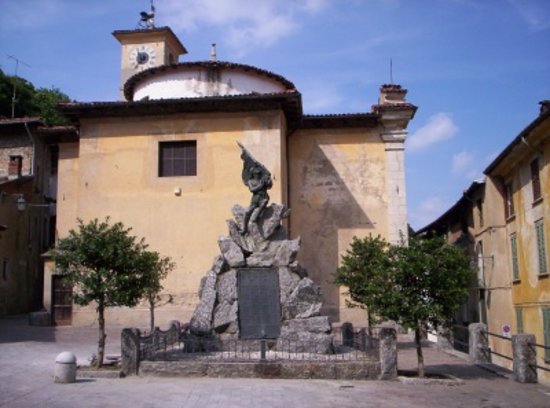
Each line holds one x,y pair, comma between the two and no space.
102,336
152,312
369,322
418,342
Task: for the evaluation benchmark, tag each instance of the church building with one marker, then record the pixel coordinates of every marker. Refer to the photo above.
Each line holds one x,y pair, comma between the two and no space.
165,161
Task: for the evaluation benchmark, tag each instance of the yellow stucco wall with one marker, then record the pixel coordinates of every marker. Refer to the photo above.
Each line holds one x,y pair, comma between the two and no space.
337,191
113,172
496,275
531,293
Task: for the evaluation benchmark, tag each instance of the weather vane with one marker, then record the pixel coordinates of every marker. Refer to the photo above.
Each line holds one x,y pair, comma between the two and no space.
147,20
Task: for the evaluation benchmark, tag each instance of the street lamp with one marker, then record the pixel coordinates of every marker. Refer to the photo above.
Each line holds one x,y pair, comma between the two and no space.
20,203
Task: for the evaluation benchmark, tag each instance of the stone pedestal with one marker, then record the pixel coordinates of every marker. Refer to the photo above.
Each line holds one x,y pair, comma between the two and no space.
478,344
294,300
525,358
388,353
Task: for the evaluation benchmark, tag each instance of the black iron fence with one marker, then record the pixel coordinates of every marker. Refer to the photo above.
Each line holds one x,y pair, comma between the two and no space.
507,340
177,343
460,338
261,350
544,363
159,340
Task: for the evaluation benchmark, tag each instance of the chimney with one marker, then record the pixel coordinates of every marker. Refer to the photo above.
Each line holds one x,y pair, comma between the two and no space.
392,95
15,167
544,106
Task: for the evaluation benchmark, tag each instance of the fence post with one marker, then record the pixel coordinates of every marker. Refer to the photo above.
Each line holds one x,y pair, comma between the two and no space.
347,334
525,358
129,344
175,328
478,343
388,353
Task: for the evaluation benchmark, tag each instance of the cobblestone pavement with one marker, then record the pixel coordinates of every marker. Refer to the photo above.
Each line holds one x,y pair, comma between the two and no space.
27,356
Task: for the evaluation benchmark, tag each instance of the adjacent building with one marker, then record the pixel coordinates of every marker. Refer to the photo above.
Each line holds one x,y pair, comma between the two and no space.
505,220
165,161
27,212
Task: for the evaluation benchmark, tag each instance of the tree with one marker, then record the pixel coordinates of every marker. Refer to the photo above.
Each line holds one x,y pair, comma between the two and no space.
365,259
30,101
155,269
417,286
105,265
44,105
24,96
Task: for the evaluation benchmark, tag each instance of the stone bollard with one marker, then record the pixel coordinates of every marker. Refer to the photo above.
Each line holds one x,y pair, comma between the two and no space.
525,358
65,368
388,354
478,343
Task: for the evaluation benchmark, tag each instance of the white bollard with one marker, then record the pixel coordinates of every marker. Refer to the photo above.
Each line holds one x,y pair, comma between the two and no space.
65,368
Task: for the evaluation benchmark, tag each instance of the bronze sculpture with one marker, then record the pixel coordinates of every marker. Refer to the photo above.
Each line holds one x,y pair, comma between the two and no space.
258,180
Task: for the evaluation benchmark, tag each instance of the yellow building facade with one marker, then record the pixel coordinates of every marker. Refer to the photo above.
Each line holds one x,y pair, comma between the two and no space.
504,222
166,163
521,176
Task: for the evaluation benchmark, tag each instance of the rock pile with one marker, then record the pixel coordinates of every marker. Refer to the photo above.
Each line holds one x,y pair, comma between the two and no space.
265,245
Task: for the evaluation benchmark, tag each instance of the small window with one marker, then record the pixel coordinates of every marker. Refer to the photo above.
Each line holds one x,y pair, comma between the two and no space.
514,253
178,158
546,331
15,166
541,247
509,210
535,180
519,320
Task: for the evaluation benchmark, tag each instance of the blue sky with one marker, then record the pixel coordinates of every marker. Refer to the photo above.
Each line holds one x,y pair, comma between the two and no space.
475,68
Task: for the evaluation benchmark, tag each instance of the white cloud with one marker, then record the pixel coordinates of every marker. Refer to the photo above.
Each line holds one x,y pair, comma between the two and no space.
427,211
440,127
534,12
462,162
466,164
247,23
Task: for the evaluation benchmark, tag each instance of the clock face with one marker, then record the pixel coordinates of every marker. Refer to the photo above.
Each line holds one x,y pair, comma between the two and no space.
143,57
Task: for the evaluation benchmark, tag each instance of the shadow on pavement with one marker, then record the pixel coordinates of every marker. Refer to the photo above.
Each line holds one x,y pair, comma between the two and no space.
15,329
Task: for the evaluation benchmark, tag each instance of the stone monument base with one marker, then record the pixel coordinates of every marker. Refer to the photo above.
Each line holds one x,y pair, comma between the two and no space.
256,289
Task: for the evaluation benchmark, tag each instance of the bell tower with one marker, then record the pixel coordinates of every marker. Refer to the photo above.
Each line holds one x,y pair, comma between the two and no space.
146,47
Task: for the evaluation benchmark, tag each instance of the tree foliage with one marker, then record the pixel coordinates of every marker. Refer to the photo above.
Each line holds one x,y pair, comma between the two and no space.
416,285
155,268
30,101
105,265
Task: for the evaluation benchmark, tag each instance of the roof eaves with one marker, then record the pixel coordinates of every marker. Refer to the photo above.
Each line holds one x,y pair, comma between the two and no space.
465,198
516,141
339,120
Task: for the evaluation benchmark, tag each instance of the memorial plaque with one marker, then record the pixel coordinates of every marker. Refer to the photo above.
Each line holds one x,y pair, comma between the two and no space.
259,307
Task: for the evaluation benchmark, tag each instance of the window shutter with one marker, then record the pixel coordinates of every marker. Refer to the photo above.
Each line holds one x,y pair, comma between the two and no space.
546,327
541,247
535,179
519,319
514,250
